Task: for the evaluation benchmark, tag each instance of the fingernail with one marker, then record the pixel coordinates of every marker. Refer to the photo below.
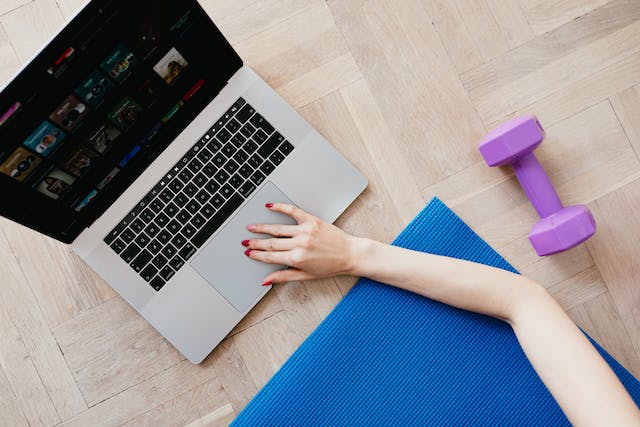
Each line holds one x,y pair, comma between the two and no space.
251,227
269,205
247,252
267,284
245,243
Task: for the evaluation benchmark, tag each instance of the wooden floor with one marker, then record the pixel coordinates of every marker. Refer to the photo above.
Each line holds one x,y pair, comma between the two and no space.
405,89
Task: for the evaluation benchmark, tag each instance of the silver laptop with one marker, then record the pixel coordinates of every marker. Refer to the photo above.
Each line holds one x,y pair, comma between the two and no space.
138,136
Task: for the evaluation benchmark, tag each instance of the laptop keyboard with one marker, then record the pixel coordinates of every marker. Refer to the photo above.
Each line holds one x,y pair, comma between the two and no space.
199,193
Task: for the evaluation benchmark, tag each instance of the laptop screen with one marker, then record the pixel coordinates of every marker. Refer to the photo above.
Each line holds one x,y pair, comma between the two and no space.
99,103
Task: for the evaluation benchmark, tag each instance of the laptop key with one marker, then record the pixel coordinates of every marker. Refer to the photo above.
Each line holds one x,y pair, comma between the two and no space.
176,263
246,189
261,123
193,207
118,245
207,210
255,161
221,176
183,216
147,215
171,209
267,167
195,166
178,241
127,236
257,178
219,159
231,166
142,240
157,283
152,229
232,125
236,180
245,113
149,272
247,130
166,273
270,145
166,195
190,189
245,171
240,157
185,176
181,199
216,220
161,219
250,146
212,186
174,226
238,139
155,246
169,251
164,236
229,150
188,230
203,196
159,261
187,251
141,260
156,205
286,148
223,135
209,170
197,221
200,179
226,191
276,157
259,137
130,253
137,225
217,200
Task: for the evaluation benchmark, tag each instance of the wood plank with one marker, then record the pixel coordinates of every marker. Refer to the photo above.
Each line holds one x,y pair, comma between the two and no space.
31,25
546,15
10,63
626,104
239,23
39,342
579,289
61,280
583,93
540,67
413,88
9,406
600,318
112,348
9,5
615,249
23,397
69,8
203,405
136,400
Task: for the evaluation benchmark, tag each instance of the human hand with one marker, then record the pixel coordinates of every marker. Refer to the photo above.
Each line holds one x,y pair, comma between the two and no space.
312,249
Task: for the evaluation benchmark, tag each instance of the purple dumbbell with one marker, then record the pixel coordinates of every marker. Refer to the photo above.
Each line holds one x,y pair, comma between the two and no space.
559,228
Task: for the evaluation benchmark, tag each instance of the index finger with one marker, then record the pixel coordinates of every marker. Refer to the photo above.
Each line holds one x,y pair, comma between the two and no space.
291,210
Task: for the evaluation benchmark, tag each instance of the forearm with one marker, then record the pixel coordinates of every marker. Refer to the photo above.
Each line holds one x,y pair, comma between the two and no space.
463,284
581,382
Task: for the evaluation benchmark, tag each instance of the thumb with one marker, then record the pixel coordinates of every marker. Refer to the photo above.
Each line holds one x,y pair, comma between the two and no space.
288,275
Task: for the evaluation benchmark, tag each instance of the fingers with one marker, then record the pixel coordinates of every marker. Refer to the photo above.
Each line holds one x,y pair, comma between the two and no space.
274,229
291,210
284,244
288,275
281,257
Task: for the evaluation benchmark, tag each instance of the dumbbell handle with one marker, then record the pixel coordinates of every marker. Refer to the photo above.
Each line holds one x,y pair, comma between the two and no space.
536,185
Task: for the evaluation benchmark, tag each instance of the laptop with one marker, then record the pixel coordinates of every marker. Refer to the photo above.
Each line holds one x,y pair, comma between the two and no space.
138,136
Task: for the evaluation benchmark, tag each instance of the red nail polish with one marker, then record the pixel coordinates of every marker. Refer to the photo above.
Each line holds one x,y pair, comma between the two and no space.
245,243
267,284
269,205
247,252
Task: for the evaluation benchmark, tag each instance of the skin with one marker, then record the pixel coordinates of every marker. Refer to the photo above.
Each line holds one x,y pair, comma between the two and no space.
579,379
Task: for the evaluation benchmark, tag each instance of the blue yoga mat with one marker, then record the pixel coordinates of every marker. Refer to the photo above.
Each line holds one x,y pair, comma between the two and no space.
389,357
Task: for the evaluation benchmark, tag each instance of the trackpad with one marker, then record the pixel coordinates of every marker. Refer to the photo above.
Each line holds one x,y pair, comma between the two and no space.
223,263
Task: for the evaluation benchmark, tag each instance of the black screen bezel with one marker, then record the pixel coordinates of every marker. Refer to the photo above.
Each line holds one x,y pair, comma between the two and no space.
25,206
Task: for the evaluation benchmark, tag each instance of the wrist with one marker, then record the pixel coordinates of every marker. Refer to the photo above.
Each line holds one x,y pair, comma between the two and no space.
358,248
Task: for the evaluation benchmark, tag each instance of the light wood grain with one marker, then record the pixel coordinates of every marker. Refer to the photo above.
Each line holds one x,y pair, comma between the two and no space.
405,89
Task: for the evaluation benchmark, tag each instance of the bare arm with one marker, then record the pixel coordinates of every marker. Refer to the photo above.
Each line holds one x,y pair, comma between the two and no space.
582,383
